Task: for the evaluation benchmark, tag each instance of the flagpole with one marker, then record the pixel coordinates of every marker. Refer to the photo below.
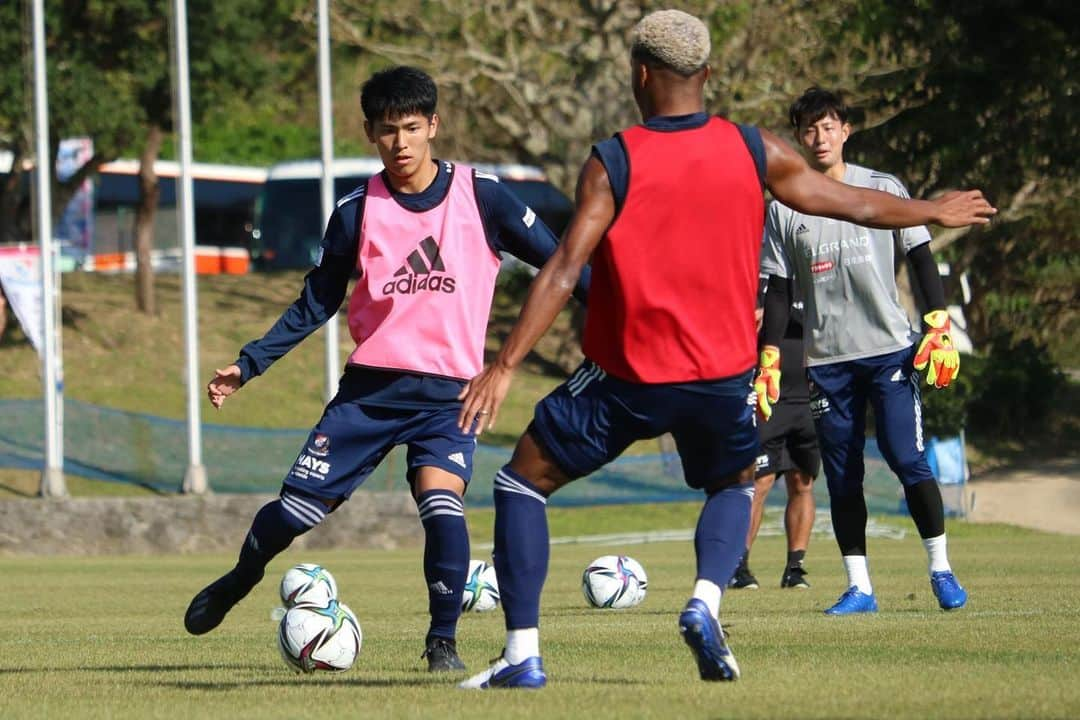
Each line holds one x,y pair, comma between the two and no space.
326,132
52,475
195,477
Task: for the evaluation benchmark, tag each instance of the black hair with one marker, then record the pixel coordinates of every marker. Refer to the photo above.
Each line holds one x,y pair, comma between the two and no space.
398,91
815,104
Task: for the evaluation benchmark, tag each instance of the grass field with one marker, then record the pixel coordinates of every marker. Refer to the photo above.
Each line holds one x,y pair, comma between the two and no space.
102,637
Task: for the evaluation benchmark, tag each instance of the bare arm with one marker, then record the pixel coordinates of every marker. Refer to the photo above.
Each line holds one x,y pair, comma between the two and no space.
799,186
547,295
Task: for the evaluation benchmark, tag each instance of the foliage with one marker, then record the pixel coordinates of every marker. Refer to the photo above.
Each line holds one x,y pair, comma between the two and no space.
1018,390
946,411
985,96
539,82
1011,398
110,75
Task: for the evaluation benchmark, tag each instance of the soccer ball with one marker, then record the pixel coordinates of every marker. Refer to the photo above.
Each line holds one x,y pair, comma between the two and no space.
614,581
307,584
481,588
313,638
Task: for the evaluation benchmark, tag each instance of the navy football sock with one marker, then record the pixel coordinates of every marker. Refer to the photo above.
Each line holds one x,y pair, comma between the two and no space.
521,548
275,526
720,537
446,558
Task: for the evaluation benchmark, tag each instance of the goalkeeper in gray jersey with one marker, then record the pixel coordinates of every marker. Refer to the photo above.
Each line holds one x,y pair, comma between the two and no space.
860,349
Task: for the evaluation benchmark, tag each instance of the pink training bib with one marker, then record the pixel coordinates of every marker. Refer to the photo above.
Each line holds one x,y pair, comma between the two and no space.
427,279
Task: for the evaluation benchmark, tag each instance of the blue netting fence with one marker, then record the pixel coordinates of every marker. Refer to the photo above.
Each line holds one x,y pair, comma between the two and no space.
118,446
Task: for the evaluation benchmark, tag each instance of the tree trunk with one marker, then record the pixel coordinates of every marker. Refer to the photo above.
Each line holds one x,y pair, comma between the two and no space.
149,192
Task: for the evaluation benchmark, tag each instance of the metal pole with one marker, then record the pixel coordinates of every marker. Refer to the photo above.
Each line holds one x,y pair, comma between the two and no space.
52,475
326,132
195,477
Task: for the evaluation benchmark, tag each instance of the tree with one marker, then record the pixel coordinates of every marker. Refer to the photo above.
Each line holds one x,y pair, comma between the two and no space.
538,82
987,98
110,78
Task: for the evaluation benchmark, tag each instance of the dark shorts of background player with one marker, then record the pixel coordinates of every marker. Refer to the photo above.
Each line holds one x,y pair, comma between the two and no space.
592,418
351,439
789,441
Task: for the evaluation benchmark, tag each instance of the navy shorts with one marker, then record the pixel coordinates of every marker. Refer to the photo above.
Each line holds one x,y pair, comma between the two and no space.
590,419
839,395
351,439
789,441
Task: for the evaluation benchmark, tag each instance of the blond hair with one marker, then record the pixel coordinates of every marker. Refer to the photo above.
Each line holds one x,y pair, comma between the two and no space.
676,39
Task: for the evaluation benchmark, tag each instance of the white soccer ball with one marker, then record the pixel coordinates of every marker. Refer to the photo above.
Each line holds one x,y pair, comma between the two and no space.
481,588
313,639
308,584
614,581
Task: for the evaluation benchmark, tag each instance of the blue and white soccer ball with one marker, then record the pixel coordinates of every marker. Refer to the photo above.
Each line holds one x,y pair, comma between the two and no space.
313,639
308,584
614,581
481,588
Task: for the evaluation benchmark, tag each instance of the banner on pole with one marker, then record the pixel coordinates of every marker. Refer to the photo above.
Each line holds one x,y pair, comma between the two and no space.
20,276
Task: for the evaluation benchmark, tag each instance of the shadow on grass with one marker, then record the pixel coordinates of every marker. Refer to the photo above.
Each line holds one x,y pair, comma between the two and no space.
301,680
16,491
130,668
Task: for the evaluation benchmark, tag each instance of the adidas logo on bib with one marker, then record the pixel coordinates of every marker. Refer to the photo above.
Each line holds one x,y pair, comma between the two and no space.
419,272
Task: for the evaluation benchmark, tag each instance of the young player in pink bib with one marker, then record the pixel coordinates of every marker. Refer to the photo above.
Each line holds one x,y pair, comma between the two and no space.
424,238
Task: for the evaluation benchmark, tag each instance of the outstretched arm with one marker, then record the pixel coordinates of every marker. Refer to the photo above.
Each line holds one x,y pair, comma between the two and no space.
548,293
799,186
324,290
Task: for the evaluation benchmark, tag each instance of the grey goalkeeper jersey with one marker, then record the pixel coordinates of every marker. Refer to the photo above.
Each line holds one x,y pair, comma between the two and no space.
844,275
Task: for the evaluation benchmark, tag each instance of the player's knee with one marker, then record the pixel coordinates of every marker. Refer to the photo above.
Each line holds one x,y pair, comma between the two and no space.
763,484
532,461
305,511
799,483
741,477
911,468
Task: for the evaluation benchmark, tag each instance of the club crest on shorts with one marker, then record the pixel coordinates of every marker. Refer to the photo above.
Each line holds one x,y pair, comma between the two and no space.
320,445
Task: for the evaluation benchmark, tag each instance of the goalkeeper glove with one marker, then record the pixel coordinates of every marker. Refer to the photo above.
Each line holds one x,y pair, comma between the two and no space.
767,383
936,351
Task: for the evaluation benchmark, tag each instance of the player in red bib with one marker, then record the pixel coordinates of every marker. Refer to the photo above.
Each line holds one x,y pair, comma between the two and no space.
671,214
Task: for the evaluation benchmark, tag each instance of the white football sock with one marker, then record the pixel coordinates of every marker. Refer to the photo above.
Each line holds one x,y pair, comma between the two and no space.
709,593
522,644
858,573
937,553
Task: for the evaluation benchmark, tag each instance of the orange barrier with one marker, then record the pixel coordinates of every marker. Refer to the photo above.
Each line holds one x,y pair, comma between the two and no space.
209,260
213,260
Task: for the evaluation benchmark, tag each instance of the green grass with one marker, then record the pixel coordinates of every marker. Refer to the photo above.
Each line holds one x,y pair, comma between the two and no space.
102,637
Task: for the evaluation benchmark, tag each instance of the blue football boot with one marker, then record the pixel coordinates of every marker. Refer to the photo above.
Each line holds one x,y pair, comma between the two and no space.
950,595
853,601
702,633
529,674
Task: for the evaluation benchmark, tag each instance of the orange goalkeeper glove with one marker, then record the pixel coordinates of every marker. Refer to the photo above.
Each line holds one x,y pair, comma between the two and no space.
767,383
936,351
